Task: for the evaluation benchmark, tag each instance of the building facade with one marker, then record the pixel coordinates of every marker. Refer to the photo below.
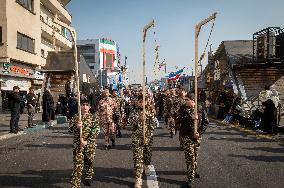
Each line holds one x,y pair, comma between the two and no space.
103,58
27,33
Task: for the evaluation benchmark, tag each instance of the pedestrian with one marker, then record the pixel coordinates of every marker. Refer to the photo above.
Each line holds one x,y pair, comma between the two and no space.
72,106
141,150
190,138
84,147
14,104
117,113
105,116
68,88
31,105
48,111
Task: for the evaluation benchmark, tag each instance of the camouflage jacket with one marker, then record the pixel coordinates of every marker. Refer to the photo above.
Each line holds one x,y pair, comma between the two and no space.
90,129
135,121
105,110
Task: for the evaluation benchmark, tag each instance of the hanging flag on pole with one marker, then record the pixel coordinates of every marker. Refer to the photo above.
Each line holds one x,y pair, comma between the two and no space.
175,75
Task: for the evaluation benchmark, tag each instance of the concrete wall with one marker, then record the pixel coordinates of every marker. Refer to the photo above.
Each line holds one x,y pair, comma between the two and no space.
23,21
3,24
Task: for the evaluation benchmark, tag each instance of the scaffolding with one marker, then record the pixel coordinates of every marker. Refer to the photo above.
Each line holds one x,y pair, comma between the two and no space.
266,45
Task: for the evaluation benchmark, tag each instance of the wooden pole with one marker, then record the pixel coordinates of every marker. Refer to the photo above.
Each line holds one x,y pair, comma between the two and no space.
77,82
74,37
197,30
146,27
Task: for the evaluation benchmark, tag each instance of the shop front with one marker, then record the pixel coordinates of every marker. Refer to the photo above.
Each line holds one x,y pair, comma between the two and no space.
14,74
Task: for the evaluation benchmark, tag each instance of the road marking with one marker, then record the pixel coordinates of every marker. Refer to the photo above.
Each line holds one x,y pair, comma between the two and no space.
11,135
152,181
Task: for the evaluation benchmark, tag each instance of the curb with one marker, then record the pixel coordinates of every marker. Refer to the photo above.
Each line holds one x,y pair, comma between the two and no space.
246,130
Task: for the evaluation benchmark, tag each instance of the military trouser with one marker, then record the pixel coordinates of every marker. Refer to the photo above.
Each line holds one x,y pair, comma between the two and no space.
31,112
109,131
172,127
191,148
83,158
166,117
142,154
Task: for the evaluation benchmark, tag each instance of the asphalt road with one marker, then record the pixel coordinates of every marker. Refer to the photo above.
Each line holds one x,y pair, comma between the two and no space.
228,158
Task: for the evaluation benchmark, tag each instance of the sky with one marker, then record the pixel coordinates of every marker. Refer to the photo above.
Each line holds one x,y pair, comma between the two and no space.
123,21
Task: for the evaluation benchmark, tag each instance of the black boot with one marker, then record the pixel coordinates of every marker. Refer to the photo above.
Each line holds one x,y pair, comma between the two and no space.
197,175
88,182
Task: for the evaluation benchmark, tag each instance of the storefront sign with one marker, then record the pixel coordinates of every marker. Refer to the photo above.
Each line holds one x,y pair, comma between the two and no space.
17,69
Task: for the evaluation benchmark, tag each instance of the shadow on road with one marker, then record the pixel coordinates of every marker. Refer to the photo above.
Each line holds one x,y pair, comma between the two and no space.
36,179
114,175
262,158
241,139
267,149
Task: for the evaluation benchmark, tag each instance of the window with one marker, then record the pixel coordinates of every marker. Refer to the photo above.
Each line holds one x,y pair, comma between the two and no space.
28,4
1,35
25,43
92,67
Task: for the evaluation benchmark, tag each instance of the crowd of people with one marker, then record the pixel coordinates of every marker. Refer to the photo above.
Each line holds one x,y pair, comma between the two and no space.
264,117
116,110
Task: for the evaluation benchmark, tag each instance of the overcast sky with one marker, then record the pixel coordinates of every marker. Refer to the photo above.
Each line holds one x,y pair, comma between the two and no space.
123,20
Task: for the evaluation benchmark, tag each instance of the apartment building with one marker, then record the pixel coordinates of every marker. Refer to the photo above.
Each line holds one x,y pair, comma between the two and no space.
27,33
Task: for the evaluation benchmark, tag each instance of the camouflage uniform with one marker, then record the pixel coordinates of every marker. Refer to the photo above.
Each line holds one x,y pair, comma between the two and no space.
172,113
83,157
118,113
178,103
105,114
190,144
141,152
166,107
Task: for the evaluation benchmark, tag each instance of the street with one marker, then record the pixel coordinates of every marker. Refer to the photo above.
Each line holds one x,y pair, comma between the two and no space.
228,158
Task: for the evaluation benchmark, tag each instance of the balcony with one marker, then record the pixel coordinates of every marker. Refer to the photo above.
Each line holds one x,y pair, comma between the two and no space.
47,32
57,8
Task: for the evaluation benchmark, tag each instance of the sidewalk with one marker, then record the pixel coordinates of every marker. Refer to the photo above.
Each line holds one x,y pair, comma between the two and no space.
279,137
23,123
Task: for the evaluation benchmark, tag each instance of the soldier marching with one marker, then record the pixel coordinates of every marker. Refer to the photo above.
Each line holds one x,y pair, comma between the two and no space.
116,111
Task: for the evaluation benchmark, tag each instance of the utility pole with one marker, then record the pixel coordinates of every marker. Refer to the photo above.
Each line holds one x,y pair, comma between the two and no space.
197,31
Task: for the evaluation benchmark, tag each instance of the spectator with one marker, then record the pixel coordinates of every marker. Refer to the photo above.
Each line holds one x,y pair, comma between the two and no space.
68,88
48,113
14,104
72,106
31,104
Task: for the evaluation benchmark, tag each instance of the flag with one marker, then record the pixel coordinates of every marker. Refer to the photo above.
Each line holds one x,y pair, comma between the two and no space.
175,75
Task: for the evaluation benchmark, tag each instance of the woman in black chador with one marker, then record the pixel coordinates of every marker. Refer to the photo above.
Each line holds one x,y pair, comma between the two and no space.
47,107
269,117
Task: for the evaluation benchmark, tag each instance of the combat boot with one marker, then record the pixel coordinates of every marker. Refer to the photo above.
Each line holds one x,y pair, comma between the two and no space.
138,183
88,182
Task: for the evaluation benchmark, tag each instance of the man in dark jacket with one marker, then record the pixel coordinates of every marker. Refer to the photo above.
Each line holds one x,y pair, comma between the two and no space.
14,104
190,139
